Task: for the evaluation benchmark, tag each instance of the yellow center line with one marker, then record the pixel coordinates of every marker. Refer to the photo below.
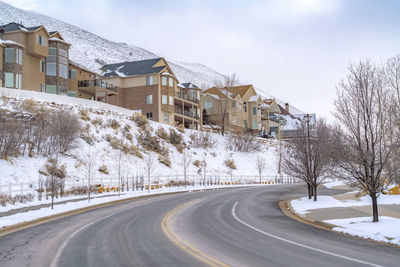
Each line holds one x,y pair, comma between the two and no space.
185,246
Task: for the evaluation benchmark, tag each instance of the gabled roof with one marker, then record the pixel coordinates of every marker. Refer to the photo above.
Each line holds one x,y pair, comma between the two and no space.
13,26
240,90
215,91
188,85
134,68
78,66
284,111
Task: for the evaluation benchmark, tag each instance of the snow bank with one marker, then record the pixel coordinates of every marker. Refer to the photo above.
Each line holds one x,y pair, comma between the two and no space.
386,230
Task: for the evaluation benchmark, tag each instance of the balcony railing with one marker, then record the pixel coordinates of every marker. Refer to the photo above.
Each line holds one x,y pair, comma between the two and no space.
186,96
98,83
187,113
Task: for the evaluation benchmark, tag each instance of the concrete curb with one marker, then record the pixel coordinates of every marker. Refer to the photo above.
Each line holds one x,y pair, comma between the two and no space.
23,225
288,210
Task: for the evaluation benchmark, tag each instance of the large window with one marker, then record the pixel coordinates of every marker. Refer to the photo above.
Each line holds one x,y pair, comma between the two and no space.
149,115
149,80
41,40
254,126
166,117
9,79
10,55
63,60
72,74
207,104
149,99
254,110
164,99
51,69
171,100
62,52
18,56
164,80
171,82
63,71
18,81
51,89
52,51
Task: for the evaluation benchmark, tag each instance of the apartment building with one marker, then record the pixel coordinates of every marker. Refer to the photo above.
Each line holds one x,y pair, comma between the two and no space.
25,50
187,108
240,104
270,115
147,85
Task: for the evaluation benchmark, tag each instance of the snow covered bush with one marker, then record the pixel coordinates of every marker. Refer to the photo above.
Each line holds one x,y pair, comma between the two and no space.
202,139
141,121
242,143
162,133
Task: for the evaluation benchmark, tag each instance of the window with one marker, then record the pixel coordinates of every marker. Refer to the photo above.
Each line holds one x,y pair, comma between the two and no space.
62,52
63,71
10,55
207,104
234,120
149,80
63,60
171,82
149,115
41,66
171,100
245,124
51,89
164,99
52,51
72,93
42,88
18,56
192,94
51,69
9,79
41,40
164,80
51,58
18,81
63,91
244,106
254,110
72,74
166,117
233,103
149,99
254,126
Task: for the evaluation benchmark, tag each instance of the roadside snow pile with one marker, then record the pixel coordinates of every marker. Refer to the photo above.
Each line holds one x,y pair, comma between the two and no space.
333,184
386,230
304,205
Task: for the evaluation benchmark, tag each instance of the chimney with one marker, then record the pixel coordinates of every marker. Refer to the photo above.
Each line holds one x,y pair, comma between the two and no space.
287,107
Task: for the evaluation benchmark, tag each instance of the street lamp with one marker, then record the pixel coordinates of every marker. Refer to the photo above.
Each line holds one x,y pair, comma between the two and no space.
307,119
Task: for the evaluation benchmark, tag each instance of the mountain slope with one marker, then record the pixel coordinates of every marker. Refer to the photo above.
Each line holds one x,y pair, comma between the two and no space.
93,51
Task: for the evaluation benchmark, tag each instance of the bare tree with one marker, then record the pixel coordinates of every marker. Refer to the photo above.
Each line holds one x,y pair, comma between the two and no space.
55,172
230,165
366,138
307,156
149,162
89,160
186,161
260,165
225,87
119,166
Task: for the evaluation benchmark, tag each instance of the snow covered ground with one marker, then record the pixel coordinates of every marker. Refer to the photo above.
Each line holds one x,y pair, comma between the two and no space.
386,230
304,205
333,184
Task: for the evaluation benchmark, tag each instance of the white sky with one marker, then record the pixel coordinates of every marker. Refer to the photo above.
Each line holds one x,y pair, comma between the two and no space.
297,50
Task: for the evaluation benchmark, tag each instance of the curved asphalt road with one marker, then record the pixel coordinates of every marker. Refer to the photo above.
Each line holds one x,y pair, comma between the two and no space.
252,233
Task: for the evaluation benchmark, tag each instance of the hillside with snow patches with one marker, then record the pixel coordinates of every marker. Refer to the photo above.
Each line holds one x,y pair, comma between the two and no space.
93,51
103,126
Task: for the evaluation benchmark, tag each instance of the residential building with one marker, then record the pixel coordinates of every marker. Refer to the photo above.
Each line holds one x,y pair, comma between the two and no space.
2,46
270,115
26,48
85,83
146,85
187,108
239,107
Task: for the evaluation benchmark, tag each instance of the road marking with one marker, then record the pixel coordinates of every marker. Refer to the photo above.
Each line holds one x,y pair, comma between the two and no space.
298,244
169,232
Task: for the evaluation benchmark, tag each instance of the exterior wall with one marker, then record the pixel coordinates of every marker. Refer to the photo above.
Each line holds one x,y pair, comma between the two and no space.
34,48
1,65
57,80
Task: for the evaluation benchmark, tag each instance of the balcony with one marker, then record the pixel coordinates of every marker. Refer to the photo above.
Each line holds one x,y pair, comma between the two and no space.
97,83
184,95
186,113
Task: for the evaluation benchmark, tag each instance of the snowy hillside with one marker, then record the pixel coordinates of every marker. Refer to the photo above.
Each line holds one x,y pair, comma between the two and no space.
105,129
93,51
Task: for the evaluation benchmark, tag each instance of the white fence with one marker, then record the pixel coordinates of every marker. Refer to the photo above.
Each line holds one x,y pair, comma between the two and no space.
134,181
65,100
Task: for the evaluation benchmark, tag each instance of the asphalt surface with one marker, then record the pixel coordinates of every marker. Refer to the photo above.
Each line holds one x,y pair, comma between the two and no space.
253,232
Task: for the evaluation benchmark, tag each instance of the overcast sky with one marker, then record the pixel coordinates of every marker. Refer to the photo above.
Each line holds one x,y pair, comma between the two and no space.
297,50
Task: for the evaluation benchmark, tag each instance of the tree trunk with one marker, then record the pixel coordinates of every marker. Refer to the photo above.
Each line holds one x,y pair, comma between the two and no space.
374,208
315,192
309,191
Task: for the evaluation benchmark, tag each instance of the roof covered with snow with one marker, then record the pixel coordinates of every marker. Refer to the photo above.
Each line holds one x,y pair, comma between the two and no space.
13,26
188,85
133,68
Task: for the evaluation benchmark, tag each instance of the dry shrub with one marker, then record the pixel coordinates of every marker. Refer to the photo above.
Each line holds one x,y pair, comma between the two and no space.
149,141
202,140
197,163
242,143
104,169
80,190
128,136
174,137
162,133
84,114
12,200
174,183
230,163
30,105
113,124
181,128
133,150
97,122
164,159
141,121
